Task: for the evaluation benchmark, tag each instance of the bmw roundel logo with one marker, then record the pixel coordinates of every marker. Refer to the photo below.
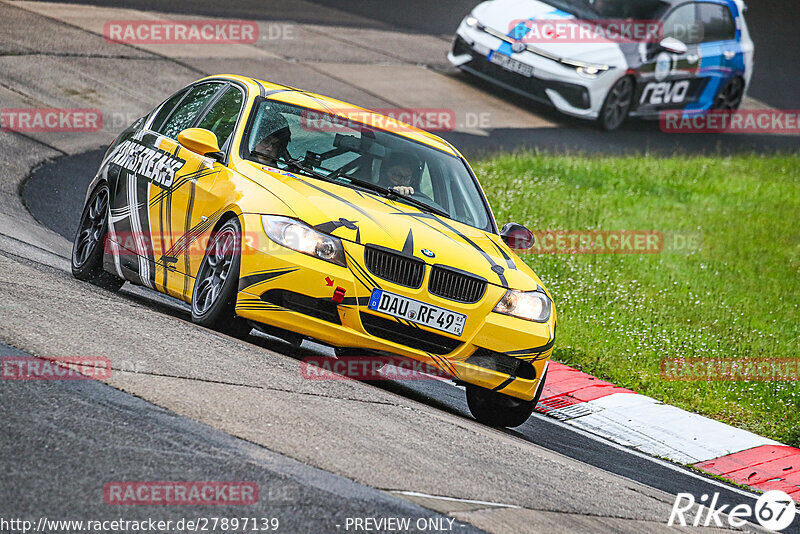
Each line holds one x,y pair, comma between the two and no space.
518,47
428,253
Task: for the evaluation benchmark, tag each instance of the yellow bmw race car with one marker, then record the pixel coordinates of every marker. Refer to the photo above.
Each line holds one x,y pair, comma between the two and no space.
267,206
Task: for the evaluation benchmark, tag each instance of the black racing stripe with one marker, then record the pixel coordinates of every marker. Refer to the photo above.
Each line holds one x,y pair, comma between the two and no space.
184,241
357,274
186,229
443,363
256,278
363,271
363,282
161,208
188,178
340,199
408,246
331,226
535,350
505,383
509,261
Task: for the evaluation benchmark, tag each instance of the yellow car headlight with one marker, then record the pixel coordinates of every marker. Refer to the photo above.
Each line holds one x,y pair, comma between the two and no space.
300,237
528,305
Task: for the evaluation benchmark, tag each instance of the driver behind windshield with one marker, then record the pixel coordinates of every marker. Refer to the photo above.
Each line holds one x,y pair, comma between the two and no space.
275,138
398,173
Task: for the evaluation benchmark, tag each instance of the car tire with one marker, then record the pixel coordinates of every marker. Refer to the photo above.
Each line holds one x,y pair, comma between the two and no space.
90,239
216,284
496,409
617,104
730,95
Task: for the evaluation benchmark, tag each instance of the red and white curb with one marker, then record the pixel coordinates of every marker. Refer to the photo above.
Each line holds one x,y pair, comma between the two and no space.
647,425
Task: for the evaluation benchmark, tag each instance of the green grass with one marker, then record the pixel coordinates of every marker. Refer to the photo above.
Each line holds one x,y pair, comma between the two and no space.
736,296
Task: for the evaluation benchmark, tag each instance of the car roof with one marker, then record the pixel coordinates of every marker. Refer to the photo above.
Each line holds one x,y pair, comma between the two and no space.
324,104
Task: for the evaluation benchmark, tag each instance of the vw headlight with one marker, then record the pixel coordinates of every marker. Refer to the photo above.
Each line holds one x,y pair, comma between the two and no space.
300,237
592,71
528,305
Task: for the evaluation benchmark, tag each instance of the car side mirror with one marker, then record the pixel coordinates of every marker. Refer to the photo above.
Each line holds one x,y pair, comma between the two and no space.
670,44
517,237
201,141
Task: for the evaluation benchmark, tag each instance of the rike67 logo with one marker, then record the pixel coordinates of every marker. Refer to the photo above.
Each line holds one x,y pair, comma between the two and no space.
774,510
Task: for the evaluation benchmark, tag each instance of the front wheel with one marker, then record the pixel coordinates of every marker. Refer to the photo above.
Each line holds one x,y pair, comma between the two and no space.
617,104
214,294
87,249
730,96
495,409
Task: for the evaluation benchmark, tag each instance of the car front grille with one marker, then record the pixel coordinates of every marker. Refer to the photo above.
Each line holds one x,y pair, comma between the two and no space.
455,285
410,336
394,267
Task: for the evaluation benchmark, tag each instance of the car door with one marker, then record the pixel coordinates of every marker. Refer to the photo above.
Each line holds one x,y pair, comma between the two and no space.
189,209
153,182
670,80
720,52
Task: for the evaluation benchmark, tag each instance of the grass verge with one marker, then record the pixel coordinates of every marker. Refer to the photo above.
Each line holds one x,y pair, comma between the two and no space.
726,284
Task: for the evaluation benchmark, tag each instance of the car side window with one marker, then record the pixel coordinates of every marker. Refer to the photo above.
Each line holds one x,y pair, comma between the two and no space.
186,112
717,22
166,109
221,118
682,24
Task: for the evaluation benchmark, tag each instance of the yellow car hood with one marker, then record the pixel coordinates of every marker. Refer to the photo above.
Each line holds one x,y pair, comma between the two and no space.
370,219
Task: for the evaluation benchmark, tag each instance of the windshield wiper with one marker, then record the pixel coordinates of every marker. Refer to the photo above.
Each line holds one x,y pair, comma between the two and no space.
297,166
388,193
293,165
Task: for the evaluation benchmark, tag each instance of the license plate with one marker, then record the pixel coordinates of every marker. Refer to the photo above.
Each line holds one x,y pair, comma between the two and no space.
511,64
417,312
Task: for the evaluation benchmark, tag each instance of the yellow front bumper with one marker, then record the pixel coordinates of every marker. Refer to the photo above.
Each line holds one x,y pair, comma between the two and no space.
268,269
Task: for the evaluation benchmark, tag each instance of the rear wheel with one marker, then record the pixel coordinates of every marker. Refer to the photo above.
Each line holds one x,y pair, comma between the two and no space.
730,96
87,249
214,295
495,409
617,104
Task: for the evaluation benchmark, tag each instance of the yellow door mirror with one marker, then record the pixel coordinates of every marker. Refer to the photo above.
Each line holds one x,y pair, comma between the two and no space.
201,141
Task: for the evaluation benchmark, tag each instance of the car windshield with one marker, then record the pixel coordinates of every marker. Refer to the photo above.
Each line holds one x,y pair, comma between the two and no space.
353,154
612,9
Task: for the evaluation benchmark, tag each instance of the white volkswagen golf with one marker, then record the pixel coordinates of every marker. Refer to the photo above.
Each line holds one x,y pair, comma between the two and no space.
611,59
